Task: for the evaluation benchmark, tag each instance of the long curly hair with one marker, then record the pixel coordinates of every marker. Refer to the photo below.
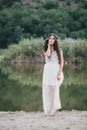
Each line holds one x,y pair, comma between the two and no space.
55,45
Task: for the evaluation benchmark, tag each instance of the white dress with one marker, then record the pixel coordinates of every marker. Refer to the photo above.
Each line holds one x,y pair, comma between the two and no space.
50,90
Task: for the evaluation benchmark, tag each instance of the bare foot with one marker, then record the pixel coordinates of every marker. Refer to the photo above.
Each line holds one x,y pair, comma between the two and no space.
53,113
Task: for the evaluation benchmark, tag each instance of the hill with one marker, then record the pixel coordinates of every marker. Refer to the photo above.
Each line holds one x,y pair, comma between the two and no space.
37,18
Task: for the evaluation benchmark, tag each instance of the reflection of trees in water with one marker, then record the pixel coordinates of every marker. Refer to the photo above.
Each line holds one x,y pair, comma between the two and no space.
20,87
74,96
13,96
74,88
26,74
75,74
7,104
25,99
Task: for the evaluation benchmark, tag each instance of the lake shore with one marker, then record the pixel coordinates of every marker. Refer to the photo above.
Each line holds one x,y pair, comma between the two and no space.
21,120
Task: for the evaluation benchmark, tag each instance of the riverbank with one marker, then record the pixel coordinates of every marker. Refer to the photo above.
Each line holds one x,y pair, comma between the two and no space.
72,120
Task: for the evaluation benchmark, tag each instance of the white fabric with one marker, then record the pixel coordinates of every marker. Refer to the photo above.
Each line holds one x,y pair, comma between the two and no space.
51,97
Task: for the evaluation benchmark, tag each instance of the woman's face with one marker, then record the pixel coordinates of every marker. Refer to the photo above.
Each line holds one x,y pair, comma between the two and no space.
51,40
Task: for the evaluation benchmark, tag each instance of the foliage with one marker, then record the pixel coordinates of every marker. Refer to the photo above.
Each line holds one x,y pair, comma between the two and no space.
73,50
19,20
7,3
25,48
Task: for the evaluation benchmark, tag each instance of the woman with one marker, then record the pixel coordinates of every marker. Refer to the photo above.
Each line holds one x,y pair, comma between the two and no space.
52,75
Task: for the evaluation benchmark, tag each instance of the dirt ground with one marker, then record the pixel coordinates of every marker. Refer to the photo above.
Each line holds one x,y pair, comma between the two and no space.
64,120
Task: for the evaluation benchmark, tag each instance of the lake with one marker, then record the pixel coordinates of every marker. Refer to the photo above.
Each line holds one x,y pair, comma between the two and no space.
21,87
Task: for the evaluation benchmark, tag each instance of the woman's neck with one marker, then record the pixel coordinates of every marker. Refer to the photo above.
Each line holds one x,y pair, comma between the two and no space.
51,48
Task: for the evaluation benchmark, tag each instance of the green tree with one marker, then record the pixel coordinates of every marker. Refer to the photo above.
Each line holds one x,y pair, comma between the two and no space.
50,4
7,3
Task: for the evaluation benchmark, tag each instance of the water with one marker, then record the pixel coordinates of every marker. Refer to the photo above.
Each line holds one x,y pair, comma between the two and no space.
21,87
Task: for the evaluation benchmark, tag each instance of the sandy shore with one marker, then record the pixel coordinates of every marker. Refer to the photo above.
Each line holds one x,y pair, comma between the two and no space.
64,120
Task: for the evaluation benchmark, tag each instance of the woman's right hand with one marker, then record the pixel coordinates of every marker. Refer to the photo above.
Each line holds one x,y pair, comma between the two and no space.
48,46
47,53
48,50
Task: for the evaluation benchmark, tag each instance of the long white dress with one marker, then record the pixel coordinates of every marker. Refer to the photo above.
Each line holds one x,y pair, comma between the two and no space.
50,90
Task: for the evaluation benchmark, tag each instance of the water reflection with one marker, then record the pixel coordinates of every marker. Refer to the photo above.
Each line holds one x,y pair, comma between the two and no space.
21,87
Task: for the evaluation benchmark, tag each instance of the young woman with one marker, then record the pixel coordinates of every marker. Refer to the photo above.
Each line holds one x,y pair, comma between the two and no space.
52,75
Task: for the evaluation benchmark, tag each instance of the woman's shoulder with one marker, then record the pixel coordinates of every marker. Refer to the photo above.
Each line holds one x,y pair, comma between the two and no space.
61,52
60,49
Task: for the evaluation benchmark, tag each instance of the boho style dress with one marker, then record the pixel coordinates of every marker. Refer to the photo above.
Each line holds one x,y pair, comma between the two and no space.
50,90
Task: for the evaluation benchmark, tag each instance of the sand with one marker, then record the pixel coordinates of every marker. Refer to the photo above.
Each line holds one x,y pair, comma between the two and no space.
64,120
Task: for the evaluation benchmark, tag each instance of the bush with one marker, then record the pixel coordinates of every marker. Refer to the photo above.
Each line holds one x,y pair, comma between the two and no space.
31,48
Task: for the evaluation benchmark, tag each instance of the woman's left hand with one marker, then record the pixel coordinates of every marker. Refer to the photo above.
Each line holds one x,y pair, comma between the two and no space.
58,76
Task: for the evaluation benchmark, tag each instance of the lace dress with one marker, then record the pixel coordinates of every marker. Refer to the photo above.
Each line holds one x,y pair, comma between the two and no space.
50,91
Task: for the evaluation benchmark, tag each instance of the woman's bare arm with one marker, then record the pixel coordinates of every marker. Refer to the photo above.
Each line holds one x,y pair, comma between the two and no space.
62,61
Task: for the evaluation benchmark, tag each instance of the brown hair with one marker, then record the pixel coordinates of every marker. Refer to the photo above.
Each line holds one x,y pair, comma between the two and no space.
56,45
